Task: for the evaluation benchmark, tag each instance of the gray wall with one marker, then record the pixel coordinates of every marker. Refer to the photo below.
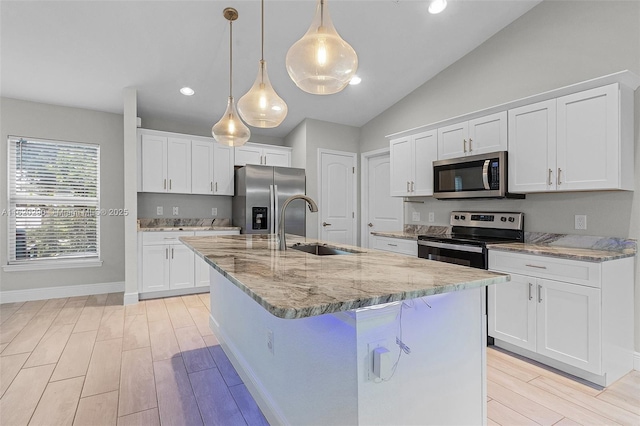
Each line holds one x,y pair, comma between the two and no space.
305,140
23,118
555,44
189,206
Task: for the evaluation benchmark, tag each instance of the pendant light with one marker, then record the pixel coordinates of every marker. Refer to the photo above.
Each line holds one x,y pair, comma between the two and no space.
321,63
230,130
261,106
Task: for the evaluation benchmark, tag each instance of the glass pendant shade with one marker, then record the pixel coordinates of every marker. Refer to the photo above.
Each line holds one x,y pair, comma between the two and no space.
261,106
321,62
230,130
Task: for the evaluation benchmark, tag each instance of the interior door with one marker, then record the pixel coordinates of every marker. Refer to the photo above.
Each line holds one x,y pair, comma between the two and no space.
337,204
384,212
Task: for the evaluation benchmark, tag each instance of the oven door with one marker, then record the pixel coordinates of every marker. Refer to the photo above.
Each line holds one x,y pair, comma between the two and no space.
459,254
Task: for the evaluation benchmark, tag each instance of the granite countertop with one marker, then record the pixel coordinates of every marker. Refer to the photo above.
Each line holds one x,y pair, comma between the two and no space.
397,234
574,253
189,228
294,284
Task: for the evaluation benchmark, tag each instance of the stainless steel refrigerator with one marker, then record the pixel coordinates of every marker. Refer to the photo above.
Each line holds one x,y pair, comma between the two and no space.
260,192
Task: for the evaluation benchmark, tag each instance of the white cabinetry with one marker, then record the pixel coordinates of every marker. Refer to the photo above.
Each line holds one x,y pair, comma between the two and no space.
266,155
570,314
412,164
477,136
165,164
167,264
184,164
395,245
582,141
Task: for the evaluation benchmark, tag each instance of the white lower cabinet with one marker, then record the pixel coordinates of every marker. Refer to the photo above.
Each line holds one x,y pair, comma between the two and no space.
395,245
570,314
169,266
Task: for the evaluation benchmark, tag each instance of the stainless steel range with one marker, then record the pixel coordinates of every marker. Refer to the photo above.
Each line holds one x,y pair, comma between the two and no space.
470,234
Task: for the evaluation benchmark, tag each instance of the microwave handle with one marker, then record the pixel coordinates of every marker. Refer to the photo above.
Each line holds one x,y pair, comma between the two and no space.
485,174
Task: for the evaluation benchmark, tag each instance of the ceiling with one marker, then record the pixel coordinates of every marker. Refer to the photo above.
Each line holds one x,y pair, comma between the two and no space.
83,53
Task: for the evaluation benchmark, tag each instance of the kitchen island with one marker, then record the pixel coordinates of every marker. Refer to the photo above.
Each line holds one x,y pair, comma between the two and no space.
367,337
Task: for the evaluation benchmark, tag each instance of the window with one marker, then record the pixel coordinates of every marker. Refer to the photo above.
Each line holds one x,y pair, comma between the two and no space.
54,202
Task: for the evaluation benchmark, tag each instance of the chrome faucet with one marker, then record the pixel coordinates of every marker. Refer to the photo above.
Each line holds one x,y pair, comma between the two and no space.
313,207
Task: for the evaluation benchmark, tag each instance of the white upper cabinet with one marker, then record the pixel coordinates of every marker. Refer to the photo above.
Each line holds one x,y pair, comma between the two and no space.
178,164
477,136
532,147
223,170
153,163
260,154
582,141
412,164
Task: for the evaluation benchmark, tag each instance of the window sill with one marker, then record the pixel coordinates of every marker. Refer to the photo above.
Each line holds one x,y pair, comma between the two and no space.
61,264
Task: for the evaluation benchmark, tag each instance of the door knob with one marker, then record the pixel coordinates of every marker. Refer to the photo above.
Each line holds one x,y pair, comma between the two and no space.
326,224
370,225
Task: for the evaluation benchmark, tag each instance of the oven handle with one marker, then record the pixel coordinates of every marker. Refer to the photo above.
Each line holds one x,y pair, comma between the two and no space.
485,174
459,247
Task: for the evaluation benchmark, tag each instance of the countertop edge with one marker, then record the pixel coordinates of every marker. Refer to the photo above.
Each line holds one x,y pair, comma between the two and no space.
549,251
190,228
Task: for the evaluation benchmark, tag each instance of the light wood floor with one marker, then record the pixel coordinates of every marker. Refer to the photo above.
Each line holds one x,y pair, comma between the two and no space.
90,361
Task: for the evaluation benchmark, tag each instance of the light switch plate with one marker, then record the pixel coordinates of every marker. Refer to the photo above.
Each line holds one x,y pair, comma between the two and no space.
415,217
214,211
176,211
159,211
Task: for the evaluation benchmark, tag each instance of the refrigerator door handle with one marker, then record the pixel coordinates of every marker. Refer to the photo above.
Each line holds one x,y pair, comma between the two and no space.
272,213
275,209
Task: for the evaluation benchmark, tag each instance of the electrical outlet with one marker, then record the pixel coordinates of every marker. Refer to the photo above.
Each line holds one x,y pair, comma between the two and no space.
214,211
416,217
581,221
432,217
270,340
371,347
159,211
176,211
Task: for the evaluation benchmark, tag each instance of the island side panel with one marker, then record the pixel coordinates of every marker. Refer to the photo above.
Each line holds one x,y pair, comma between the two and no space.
311,376
442,380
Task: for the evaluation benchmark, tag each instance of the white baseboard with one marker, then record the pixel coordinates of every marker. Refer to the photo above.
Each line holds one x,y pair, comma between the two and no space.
636,361
57,292
131,298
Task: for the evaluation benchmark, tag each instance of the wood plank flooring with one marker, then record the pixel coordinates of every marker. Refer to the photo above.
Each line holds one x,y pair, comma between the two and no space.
91,361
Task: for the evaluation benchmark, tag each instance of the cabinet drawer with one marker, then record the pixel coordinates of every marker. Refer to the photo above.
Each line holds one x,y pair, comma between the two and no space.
572,271
164,237
396,245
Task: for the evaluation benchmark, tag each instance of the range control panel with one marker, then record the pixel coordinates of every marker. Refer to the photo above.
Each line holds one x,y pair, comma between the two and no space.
500,220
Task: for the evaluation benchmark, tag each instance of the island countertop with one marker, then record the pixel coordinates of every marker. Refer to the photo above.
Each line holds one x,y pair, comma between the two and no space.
293,284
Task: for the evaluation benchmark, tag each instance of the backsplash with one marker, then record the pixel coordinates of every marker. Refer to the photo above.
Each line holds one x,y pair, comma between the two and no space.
176,223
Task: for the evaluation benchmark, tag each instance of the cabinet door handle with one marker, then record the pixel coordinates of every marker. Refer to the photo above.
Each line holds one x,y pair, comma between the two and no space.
211,186
464,145
408,186
216,187
265,159
171,252
530,288
164,185
166,253
392,245
559,171
535,266
539,293
412,190
550,181
169,184
470,149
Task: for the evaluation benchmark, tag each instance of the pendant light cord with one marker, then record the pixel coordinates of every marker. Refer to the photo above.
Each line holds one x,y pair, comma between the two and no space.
262,52
230,56
322,13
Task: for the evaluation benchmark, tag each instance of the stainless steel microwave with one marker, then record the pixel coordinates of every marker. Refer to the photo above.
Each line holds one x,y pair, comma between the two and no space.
475,176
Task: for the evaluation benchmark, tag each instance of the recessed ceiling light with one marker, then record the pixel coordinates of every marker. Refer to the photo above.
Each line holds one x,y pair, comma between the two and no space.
187,91
437,6
355,80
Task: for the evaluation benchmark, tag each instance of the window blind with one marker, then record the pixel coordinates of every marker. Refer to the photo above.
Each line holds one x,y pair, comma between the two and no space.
54,207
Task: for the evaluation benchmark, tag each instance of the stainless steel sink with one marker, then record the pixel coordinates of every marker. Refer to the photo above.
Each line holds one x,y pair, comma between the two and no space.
322,249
